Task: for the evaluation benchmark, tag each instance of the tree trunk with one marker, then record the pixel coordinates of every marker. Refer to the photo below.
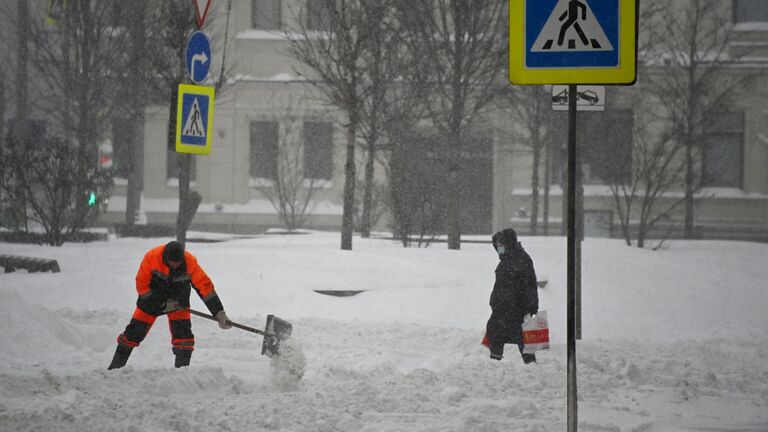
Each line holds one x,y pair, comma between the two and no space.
689,190
136,108
136,174
2,111
689,125
350,173
22,53
453,192
535,182
365,229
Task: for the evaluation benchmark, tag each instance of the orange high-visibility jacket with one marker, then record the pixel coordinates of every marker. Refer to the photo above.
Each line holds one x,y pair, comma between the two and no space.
153,260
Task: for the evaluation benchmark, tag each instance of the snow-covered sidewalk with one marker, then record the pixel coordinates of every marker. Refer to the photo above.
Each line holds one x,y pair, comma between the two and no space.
673,340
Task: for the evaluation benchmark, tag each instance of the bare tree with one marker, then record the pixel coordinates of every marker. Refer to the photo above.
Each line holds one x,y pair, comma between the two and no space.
22,23
329,39
76,59
290,192
12,206
136,98
531,108
411,198
54,178
66,64
170,23
382,61
2,104
460,45
691,72
413,187
644,197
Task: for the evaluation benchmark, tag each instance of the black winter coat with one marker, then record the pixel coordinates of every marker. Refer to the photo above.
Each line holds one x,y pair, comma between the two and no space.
514,296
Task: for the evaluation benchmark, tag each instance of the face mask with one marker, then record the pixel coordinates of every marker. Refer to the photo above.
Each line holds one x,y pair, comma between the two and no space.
500,250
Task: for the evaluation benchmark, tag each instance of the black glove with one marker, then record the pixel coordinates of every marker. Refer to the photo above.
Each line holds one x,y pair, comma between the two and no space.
180,290
153,303
159,282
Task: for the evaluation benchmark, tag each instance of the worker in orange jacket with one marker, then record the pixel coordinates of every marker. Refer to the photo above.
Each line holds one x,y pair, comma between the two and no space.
164,282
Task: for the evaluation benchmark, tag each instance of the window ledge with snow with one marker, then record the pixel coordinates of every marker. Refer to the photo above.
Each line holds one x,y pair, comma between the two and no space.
751,26
317,183
174,182
260,182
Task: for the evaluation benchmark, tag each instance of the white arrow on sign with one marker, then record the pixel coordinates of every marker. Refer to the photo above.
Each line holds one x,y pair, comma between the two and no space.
201,7
202,58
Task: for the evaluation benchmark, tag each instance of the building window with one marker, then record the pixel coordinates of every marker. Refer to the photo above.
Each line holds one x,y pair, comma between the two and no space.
265,14
750,11
605,147
318,15
263,156
606,139
722,161
172,166
318,150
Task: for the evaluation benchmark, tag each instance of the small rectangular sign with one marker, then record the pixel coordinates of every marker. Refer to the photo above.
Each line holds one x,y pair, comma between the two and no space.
588,98
194,119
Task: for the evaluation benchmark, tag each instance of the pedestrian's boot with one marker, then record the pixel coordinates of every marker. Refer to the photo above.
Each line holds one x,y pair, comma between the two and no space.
183,356
497,351
121,357
527,358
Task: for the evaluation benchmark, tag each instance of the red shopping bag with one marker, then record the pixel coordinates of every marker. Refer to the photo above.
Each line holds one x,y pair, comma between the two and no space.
486,342
536,333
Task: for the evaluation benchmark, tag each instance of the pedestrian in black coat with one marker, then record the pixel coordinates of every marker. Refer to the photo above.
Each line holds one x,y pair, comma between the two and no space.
513,297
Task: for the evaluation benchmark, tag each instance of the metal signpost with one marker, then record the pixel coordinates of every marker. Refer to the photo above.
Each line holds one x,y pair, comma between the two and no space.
572,42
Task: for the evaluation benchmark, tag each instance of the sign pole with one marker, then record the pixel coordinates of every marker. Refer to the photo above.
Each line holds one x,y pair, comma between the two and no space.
572,255
597,46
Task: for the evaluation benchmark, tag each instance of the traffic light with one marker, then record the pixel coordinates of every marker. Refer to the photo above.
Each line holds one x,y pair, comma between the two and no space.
92,199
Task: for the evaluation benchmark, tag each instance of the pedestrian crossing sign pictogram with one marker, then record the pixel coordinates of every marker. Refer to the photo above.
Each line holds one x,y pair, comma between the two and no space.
194,119
573,41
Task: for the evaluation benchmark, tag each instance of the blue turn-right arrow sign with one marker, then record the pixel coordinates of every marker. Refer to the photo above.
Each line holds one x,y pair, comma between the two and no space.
198,57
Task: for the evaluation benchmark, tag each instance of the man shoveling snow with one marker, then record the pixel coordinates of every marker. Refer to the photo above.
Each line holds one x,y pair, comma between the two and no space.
164,282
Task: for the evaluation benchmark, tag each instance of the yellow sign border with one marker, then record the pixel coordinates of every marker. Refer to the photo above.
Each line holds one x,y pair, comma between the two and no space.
625,73
185,89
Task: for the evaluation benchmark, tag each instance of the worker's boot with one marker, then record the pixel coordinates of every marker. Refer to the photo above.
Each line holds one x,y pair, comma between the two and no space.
183,356
121,357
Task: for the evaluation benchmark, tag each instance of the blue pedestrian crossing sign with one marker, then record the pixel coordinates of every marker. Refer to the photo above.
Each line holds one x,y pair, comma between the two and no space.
573,41
194,119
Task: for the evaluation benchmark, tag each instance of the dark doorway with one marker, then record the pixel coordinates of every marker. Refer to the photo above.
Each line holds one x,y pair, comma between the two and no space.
475,184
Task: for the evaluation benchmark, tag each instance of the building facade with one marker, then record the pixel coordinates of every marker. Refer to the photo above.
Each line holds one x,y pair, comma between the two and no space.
269,120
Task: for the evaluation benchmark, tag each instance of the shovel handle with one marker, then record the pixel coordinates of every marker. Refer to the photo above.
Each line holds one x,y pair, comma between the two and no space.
234,324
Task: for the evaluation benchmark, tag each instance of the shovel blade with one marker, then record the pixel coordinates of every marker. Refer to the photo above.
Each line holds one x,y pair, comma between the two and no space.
275,330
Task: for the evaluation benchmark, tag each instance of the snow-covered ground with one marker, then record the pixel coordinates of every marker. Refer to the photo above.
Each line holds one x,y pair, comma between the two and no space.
673,340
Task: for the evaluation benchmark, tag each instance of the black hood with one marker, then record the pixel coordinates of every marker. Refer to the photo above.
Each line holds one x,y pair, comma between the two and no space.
174,251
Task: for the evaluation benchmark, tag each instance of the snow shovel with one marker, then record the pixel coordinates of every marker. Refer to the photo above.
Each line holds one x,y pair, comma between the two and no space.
275,330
